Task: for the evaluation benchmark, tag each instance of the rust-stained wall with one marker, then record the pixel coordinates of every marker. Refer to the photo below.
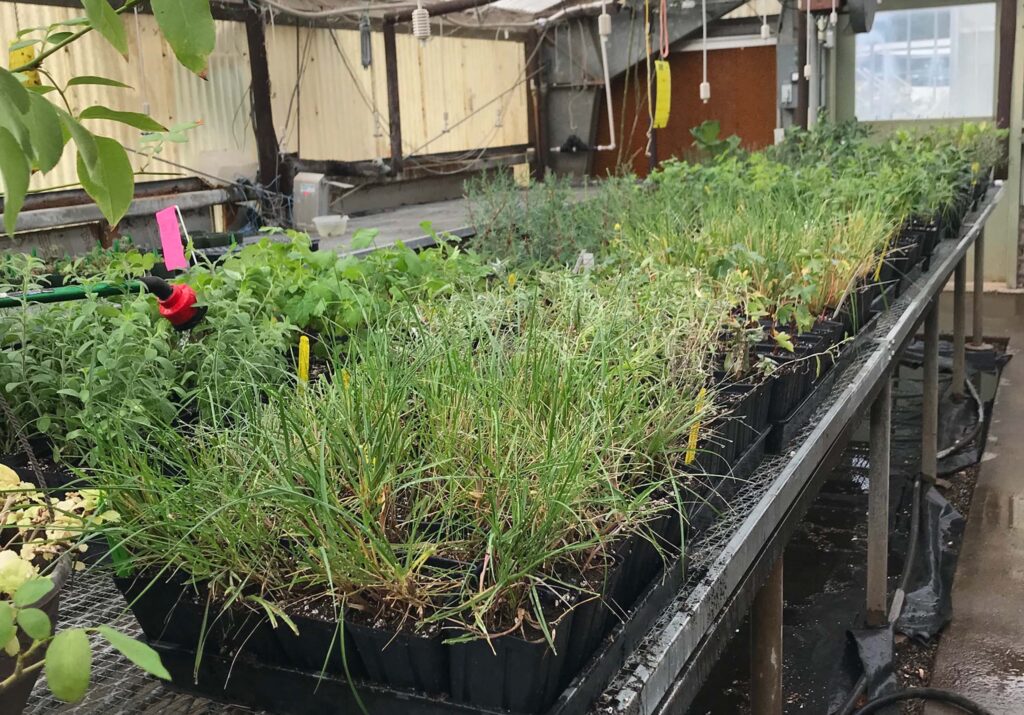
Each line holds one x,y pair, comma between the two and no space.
329,116
742,99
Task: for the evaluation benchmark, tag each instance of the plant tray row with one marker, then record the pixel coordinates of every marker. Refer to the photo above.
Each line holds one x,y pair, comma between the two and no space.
385,672
516,676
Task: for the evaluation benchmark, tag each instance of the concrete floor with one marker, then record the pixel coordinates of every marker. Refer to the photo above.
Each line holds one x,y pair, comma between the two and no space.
981,654
403,223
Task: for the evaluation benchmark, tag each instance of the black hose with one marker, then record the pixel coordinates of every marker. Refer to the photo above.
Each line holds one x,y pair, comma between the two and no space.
968,438
157,286
945,696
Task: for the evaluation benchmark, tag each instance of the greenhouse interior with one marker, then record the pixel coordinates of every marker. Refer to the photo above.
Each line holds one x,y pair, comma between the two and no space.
538,357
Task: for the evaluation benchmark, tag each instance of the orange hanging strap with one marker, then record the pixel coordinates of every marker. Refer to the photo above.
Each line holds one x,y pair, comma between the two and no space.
663,28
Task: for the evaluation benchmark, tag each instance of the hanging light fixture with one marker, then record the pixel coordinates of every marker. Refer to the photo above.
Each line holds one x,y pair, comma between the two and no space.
766,31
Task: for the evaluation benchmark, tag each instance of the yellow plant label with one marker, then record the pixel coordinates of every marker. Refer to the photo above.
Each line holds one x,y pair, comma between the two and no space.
303,360
691,447
663,103
20,56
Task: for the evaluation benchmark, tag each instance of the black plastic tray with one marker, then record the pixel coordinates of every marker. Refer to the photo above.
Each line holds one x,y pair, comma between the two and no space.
783,431
244,681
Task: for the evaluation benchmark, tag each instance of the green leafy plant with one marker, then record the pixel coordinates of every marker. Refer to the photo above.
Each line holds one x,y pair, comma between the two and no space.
35,129
40,532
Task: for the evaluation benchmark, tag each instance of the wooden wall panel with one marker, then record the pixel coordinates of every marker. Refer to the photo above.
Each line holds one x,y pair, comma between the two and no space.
331,115
742,99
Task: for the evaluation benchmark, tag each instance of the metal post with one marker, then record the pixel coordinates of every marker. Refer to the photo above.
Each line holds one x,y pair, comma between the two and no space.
959,327
978,324
267,148
394,105
766,648
536,106
930,416
878,506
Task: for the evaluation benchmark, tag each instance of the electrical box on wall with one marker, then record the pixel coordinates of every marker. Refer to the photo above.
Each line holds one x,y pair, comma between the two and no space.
310,198
786,100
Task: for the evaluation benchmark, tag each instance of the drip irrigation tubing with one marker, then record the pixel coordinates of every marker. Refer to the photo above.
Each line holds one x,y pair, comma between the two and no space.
936,694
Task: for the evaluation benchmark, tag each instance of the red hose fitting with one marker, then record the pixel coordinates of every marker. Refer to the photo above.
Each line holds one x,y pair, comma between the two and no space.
180,307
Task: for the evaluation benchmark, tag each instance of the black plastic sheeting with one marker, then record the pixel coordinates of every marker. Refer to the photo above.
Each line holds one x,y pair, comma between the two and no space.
928,604
928,607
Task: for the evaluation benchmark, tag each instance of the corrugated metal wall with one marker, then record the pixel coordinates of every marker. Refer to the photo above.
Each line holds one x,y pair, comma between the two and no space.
329,113
326,115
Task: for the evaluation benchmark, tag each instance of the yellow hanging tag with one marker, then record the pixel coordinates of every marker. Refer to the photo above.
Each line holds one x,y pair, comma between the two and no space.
20,56
691,447
663,103
303,360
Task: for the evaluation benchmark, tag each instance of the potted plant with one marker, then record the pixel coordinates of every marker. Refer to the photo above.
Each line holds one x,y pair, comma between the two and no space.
39,535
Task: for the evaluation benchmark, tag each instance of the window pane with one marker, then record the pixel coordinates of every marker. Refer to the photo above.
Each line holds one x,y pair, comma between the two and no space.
930,63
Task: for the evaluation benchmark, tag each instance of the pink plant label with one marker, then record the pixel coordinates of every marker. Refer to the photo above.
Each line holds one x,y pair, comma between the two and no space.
170,238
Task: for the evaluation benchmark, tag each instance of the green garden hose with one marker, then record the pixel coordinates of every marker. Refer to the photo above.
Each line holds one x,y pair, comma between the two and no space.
66,293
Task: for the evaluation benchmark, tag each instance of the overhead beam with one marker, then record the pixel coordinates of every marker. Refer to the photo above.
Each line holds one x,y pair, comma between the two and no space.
229,11
438,9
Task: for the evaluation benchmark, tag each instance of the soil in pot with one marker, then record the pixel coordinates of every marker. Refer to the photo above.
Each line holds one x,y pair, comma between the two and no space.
14,698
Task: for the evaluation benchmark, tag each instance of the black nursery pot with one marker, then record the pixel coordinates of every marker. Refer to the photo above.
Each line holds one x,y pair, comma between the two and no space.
855,311
639,560
165,607
788,383
509,672
401,659
740,424
592,620
171,610
320,645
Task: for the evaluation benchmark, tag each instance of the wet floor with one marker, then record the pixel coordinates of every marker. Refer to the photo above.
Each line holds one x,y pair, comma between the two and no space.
824,563
981,655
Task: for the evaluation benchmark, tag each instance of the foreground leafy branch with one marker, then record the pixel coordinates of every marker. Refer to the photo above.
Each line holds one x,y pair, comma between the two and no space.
34,131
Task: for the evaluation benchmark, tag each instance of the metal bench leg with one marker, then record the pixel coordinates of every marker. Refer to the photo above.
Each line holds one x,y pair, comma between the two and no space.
766,650
878,506
930,398
959,327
